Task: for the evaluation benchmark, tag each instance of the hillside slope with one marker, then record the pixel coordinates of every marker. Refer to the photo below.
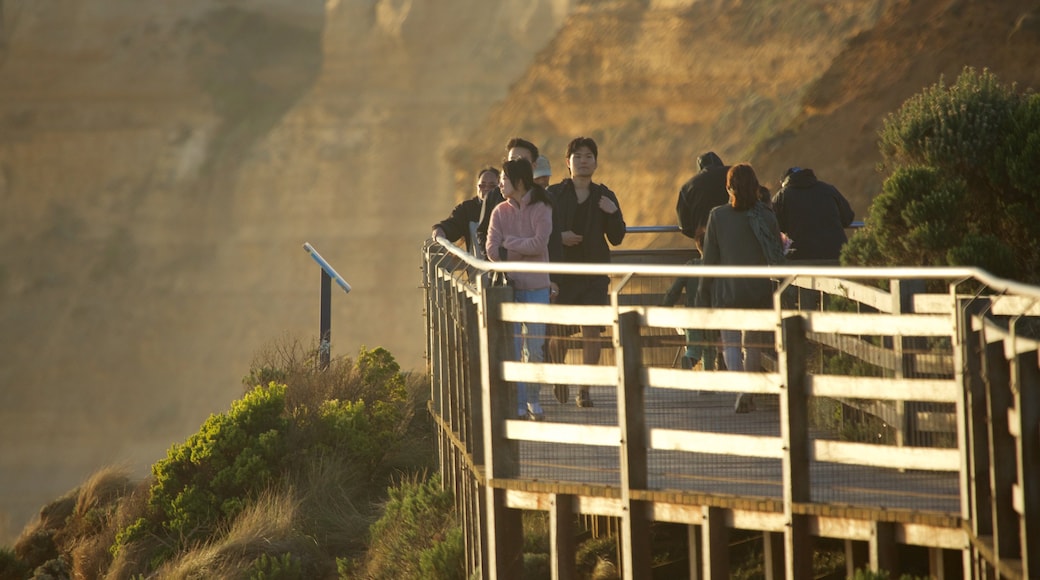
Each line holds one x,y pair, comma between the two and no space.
914,45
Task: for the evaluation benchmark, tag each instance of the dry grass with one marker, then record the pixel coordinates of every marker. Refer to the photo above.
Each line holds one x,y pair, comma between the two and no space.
271,525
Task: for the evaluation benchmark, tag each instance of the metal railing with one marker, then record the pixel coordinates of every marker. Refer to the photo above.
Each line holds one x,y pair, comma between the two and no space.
873,421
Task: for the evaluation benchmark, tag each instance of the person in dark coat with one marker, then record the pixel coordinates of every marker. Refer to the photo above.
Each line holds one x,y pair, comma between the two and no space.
700,195
813,214
462,223
586,217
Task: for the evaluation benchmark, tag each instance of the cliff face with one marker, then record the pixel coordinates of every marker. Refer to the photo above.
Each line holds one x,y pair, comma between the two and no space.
162,163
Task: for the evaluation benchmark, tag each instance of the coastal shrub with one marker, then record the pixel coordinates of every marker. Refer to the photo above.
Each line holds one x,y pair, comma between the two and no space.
418,517
963,188
209,478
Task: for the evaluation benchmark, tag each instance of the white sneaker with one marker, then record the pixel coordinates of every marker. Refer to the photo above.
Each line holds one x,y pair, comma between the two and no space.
536,411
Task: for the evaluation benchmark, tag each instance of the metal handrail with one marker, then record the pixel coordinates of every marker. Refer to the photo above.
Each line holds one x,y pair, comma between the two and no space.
857,272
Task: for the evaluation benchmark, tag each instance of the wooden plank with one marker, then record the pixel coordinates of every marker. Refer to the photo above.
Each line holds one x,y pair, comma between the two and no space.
886,456
676,513
756,520
859,348
600,506
724,381
719,443
838,386
1015,305
709,318
932,303
842,528
881,324
559,374
871,296
933,536
558,314
552,432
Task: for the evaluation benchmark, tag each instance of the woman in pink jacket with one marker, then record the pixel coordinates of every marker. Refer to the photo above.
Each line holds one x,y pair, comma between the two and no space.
519,232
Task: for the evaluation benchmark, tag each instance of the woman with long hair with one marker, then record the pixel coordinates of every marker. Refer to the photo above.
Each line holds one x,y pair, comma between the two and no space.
743,232
519,232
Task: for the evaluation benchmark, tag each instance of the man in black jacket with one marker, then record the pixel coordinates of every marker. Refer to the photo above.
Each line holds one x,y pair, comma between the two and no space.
814,214
462,223
586,216
702,193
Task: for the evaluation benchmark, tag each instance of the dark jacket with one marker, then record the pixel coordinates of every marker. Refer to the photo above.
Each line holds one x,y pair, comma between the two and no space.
599,229
492,199
814,215
698,196
457,225
730,240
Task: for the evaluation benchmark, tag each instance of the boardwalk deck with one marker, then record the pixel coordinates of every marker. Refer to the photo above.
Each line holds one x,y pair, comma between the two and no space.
723,474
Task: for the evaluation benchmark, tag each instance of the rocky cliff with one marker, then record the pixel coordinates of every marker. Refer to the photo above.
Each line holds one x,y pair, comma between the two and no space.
162,163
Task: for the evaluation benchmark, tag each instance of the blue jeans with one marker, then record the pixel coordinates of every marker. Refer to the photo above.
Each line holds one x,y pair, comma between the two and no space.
742,350
529,338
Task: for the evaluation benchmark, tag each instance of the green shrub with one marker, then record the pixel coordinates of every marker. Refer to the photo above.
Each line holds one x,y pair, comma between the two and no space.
283,567
418,516
11,568
208,479
964,190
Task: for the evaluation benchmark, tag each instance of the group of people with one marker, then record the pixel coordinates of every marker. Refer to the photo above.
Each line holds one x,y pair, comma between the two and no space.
732,219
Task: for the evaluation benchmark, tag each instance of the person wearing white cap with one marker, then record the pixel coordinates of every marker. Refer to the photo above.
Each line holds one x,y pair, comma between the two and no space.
542,171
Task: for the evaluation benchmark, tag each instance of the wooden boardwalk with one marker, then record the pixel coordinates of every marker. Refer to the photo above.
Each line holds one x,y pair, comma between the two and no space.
953,395
717,473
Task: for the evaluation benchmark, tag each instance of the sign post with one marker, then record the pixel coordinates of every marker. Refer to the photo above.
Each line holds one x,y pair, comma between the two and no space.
328,274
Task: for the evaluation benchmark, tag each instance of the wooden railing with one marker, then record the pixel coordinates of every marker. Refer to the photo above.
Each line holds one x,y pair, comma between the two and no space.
931,360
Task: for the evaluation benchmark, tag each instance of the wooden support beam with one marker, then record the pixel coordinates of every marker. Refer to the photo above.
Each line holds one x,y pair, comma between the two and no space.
1027,425
773,555
857,555
504,525
693,549
636,553
884,552
715,544
563,543
794,430
1002,453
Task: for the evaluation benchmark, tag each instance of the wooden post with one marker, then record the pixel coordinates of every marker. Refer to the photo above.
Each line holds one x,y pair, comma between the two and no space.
505,535
773,555
715,544
856,556
693,548
794,429
976,507
1027,425
475,440
635,522
564,545
884,553
1001,452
